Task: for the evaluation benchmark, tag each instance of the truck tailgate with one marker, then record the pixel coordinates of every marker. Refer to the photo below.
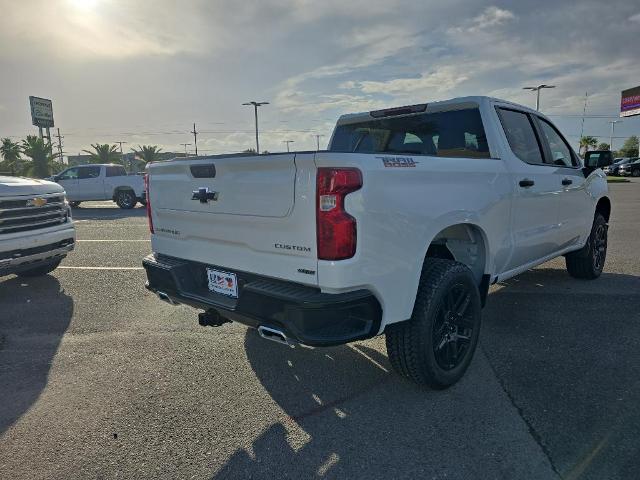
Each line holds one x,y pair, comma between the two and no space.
249,213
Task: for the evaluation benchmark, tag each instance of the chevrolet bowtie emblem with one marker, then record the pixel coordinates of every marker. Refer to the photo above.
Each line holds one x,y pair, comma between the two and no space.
37,202
203,194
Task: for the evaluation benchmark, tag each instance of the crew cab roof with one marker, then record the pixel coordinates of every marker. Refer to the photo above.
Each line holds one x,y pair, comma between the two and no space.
450,104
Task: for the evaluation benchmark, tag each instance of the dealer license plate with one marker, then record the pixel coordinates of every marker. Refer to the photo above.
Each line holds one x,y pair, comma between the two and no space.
223,282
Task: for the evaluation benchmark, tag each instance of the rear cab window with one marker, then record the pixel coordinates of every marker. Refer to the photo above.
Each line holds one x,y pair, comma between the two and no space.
449,133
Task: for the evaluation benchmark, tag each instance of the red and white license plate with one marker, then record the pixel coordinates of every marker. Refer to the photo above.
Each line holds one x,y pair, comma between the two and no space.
223,282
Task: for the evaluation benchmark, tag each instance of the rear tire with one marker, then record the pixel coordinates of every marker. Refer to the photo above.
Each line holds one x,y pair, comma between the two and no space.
40,270
436,345
588,262
126,199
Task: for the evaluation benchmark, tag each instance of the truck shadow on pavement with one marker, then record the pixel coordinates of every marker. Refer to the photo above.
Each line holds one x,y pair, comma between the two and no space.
34,315
567,352
558,347
104,214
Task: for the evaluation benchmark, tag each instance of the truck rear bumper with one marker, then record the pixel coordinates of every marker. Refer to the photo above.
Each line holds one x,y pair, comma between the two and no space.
302,313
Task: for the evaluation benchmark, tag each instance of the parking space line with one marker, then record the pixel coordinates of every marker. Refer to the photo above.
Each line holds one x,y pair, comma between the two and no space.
124,240
101,268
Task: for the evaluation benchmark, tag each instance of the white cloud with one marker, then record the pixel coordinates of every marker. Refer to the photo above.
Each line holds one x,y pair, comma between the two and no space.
635,18
491,17
440,80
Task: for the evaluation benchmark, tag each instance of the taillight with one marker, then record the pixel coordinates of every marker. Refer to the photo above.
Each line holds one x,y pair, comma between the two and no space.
146,190
336,229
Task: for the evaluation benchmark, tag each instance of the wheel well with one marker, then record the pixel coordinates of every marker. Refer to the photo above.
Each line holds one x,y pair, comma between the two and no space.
121,189
463,243
604,207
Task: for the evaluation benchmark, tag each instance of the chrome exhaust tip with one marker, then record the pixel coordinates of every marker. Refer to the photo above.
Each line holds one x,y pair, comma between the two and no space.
165,298
274,335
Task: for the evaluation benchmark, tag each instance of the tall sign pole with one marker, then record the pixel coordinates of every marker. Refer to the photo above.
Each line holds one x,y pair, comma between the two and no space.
42,115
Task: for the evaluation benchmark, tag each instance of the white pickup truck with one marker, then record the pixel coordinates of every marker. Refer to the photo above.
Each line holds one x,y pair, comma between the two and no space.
101,182
36,229
399,228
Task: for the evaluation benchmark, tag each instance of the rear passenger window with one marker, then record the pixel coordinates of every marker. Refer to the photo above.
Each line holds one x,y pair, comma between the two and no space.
455,133
88,172
560,151
521,136
115,171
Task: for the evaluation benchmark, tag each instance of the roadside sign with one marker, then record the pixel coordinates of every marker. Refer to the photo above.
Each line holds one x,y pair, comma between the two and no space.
630,103
41,112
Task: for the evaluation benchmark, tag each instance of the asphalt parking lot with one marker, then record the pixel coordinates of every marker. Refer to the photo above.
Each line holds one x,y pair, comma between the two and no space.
99,379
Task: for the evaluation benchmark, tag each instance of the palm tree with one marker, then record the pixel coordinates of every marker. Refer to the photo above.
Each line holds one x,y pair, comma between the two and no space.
603,146
147,153
41,155
587,143
104,153
10,151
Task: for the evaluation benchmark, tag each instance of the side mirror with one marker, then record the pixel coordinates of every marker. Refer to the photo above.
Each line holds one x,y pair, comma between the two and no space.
605,161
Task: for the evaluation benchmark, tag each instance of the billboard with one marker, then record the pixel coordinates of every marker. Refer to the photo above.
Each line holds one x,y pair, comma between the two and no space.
41,112
630,103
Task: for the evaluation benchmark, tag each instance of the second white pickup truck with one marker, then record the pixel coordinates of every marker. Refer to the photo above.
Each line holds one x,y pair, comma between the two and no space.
399,228
101,182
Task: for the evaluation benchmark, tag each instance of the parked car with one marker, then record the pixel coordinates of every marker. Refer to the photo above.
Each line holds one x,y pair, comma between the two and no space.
399,228
101,182
36,229
630,169
615,167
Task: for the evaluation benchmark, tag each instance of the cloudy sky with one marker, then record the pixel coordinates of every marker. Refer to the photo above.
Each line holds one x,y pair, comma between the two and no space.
143,71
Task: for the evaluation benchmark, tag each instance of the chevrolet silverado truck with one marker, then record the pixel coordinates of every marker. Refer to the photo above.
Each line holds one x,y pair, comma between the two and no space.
101,182
399,228
36,229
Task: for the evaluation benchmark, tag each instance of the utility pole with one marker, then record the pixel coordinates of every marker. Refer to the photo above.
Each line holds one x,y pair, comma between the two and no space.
195,138
288,142
318,142
537,90
60,137
584,112
185,147
255,112
122,155
613,129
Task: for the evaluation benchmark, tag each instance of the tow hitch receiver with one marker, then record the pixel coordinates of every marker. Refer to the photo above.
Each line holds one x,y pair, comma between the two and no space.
212,318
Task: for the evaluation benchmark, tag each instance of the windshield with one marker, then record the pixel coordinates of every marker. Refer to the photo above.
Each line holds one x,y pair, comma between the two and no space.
457,133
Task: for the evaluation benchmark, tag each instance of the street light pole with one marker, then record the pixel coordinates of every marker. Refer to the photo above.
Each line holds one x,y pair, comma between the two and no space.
318,142
255,112
288,142
537,90
613,129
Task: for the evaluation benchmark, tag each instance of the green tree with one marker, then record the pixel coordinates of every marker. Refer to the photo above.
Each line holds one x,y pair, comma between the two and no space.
588,143
10,152
603,146
630,147
41,155
147,153
104,153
